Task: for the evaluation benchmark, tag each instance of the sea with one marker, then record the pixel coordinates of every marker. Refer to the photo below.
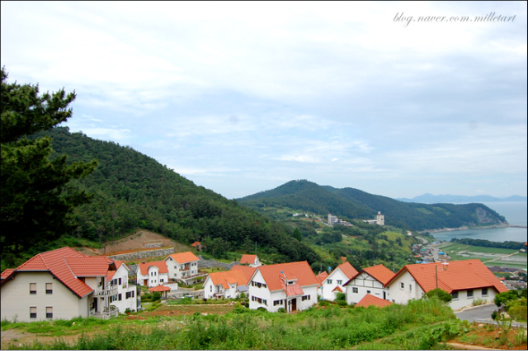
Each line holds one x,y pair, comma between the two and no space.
515,213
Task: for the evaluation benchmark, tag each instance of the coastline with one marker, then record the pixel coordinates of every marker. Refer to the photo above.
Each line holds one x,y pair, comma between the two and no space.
465,227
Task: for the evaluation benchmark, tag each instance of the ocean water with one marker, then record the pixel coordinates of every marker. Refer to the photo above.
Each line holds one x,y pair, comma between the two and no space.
515,214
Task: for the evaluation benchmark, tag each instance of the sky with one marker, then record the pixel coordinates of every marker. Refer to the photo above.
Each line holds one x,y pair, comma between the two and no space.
392,98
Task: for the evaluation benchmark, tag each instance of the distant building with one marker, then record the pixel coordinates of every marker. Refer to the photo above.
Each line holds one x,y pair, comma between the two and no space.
251,260
332,219
380,219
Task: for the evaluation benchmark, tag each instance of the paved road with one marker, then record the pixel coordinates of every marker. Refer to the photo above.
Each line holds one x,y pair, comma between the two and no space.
477,314
481,314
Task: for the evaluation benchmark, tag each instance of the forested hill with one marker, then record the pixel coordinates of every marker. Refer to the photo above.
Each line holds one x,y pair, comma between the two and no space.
134,191
356,204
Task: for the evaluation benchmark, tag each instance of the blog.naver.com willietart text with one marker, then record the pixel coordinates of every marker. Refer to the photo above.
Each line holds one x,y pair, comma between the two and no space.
492,17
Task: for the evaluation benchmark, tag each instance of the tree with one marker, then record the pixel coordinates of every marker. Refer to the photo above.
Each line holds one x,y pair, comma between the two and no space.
440,294
37,196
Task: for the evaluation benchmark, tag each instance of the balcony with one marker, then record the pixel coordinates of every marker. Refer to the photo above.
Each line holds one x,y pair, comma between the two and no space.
106,292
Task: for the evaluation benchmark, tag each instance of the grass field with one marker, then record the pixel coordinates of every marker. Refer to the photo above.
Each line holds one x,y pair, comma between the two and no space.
488,255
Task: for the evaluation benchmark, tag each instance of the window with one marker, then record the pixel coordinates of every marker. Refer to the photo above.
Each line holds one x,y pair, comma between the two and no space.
355,290
210,288
49,312
329,281
455,295
277,302
33,288
339,282
470,293
368,291
484,291
410,288
129,294
49,288
402,285
306,297
33,312
119,281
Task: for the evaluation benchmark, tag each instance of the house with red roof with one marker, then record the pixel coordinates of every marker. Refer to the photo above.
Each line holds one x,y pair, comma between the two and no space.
63,284
466,281
334,283
371,280
183,267
251,260
228,284
152,273
371,300
292,286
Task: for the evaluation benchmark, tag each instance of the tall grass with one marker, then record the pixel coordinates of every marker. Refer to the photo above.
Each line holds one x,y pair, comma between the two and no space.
325,329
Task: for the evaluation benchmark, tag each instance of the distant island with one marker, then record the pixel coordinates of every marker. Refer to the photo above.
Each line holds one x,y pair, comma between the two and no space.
434,199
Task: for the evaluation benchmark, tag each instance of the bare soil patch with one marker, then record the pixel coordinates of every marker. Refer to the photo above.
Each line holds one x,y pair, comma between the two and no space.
142,240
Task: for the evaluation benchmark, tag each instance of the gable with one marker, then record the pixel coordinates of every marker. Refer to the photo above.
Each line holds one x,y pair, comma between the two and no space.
184,257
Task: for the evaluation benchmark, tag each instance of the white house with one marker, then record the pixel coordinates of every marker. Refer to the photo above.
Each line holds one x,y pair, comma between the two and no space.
152,274
183,266
251,260
228,284
292,286
466,281
63,284
334,283
371,280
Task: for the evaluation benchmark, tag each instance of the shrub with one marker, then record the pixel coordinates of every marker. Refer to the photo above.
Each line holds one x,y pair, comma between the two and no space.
282,310
518,313
441,294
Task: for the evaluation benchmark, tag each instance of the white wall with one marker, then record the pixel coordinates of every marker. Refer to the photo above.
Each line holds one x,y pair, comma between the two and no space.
402,295
122,289
263,293
331,282
464,301
16,299
364,284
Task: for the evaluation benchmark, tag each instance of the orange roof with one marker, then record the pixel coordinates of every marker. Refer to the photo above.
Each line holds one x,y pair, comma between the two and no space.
248,271
248,259
64,264
294,270
321,277
380,273
337,288
162,266
371,300
160,288
348,270
457,275
184,257
196,243
7,273
234,276
89,266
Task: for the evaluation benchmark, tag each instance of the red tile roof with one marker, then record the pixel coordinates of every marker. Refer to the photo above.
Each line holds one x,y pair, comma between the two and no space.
160,288
248,271
380,273
66,264
337,288
321,277
371,300
90,266
7,273
293,270
248,259
162,267
457,275
196,243
184,257
348,270
229,277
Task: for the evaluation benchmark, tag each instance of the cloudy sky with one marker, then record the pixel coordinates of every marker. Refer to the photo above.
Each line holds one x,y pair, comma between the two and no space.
243,97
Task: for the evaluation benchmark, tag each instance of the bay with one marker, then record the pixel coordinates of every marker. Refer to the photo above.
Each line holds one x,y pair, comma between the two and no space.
514,212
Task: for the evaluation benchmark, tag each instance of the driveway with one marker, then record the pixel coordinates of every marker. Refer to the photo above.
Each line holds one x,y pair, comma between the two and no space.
482,314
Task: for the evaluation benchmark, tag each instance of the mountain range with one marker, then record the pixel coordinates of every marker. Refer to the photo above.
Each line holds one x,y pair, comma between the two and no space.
350,203
432,199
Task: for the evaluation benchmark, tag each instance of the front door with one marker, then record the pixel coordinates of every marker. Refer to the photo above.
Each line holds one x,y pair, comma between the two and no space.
294,304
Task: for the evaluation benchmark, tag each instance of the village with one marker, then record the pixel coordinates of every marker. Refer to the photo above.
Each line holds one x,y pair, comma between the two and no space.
64,283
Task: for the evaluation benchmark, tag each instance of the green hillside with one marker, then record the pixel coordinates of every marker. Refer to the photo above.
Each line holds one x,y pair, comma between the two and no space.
350,203
132,191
